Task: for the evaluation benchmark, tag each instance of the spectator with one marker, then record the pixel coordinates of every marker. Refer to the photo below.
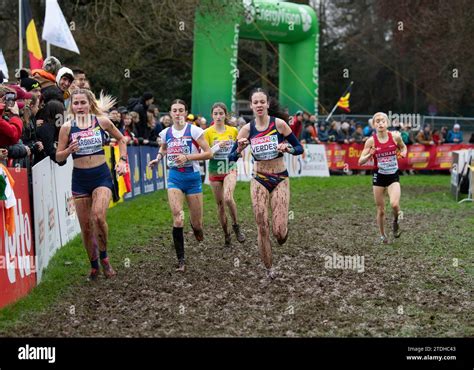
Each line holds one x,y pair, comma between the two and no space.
241,123
231,122
471,140
323,133
156,112
64,79
406,134
142,108
79,78
158,126
296,124
151,137
22,97
135,122
203,123
53,116
343,135
332,132
29,136
190,119
358,135
47,78
166,121
368,130
52,65
425,136
309,135
29,84
444,133
115,117
123,111
129,129
437,137
11,126
455,135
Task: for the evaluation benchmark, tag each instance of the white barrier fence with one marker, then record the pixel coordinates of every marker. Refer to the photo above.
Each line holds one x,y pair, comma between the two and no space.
54,213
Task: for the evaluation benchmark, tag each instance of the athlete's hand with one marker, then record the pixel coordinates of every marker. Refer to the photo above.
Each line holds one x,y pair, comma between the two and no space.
181,159
372,150
283,148
222,144
242,144
121,168
153,163
401,154
73,147
3,153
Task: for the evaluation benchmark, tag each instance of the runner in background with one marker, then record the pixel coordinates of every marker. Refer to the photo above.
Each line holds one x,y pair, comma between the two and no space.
221,137
385,147
181,143
269,137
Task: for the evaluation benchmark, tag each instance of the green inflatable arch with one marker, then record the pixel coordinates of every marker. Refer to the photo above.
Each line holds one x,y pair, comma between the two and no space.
215,73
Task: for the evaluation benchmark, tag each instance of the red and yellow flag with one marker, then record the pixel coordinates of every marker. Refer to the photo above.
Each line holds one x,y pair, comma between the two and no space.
343,102
32,41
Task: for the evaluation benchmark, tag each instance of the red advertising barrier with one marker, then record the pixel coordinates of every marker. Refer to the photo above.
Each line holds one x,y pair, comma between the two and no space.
419,157
17,257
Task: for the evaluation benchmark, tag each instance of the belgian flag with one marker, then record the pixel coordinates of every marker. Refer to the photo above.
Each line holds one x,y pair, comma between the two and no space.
343,102
32,41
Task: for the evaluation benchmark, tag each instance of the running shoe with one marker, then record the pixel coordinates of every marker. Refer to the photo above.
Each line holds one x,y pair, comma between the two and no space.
109,272
238,233
383,239
271,274
283,241
181,266
93,275
198,234
396,225
227,242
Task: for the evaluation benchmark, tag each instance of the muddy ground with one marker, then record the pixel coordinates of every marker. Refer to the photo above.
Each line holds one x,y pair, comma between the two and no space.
408,288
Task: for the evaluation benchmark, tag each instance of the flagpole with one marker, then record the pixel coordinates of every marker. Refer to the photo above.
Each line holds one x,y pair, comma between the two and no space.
48,49
20,36
335,106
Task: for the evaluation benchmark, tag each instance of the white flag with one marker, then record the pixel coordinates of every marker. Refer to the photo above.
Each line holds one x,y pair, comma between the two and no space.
3,66
56,30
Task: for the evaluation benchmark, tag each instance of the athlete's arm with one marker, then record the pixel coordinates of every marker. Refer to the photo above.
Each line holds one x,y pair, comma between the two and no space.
159,156
64,150
205,153
296,147
107,125
401,145
240,144
368,152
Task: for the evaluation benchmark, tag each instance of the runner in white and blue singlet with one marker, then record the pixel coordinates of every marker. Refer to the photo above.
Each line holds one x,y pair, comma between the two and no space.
181,143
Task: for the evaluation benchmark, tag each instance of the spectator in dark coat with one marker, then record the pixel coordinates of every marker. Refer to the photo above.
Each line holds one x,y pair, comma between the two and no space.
141,108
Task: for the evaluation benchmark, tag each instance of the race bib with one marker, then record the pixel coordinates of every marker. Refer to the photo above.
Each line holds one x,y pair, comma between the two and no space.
90,141
265,147
223,151
177,147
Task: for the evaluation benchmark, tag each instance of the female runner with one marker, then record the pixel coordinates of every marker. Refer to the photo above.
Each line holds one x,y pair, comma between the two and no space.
385,147
181,143
84,137
266,136
221,138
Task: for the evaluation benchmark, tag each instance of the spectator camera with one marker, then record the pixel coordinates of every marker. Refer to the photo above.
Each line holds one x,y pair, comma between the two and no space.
10,98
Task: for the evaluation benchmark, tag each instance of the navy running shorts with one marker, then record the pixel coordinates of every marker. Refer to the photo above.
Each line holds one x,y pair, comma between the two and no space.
86,180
